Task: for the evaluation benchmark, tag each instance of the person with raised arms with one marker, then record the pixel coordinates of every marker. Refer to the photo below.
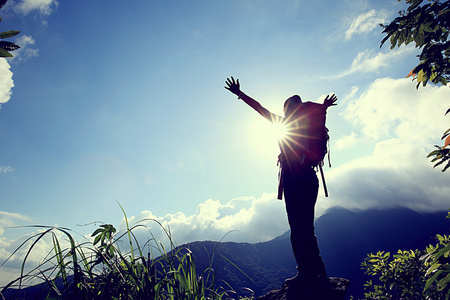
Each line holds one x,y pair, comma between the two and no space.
303,149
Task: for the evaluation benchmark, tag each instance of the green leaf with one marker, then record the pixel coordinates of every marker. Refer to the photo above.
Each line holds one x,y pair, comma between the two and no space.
436,158
446,167
439,163
430,27
433,268
384,40
97,239
8,34
414,5
401,37
444,281
446,133
4,53
99,230
394,38
421,76
442,251
431,280
8,46
433,153
420,37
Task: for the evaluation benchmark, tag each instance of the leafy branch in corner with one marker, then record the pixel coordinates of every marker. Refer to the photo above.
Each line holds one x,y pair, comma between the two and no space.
428,26
5,46
442,154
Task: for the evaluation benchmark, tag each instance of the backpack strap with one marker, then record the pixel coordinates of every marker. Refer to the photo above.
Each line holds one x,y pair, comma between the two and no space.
328,149
323,179
280,178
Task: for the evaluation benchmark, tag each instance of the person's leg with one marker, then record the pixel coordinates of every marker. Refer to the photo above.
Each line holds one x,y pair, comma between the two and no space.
300,190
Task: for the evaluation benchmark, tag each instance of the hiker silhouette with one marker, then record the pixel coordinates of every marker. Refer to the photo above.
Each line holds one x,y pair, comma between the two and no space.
302,150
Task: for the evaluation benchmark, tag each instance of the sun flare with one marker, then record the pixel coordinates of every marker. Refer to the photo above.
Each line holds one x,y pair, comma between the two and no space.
265,136
279,130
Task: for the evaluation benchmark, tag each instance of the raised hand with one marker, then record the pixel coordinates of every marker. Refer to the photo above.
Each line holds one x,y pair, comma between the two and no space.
330,101
233,86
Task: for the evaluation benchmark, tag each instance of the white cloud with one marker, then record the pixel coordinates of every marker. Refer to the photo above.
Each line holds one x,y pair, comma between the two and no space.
346,142
395,174
26,51
352,93
45,7
371,61
13,251
404,123
16,216
366,22
5,169
395,108
241,219
6,81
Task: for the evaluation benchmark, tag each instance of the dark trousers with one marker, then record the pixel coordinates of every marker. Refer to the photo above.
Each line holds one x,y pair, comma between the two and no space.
300,187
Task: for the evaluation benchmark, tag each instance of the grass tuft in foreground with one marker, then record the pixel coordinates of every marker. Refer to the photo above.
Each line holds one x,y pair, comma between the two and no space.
100,269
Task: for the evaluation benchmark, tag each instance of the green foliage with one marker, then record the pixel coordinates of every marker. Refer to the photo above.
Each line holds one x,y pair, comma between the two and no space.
438,261
401,275
428,27
442,154
410,274
99,269
6,46
427,24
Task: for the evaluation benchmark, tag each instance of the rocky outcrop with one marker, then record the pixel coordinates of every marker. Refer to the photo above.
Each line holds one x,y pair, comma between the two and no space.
333,288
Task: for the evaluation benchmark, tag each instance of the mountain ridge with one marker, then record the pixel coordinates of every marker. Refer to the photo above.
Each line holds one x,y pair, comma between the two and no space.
345,238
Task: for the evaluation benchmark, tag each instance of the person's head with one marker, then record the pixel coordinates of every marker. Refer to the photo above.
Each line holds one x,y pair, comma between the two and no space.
291,104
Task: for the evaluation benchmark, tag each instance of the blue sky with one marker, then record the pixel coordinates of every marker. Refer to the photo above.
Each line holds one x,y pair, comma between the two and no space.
109,102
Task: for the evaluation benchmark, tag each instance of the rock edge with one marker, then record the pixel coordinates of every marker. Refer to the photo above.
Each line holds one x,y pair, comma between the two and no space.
333,288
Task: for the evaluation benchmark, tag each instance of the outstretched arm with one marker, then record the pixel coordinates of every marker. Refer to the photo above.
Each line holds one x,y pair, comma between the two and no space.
234,87
329,101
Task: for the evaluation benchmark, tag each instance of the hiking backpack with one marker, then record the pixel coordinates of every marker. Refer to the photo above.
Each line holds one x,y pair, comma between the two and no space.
307,136
306,139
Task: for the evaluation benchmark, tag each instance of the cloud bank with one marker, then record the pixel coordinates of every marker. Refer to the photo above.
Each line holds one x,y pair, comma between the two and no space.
6,81
403,124
247,219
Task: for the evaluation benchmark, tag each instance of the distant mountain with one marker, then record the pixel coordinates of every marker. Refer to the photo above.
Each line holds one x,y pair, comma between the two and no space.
345,238
260,267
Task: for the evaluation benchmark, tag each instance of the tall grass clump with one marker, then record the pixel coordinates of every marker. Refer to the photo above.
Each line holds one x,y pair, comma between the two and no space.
100,269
